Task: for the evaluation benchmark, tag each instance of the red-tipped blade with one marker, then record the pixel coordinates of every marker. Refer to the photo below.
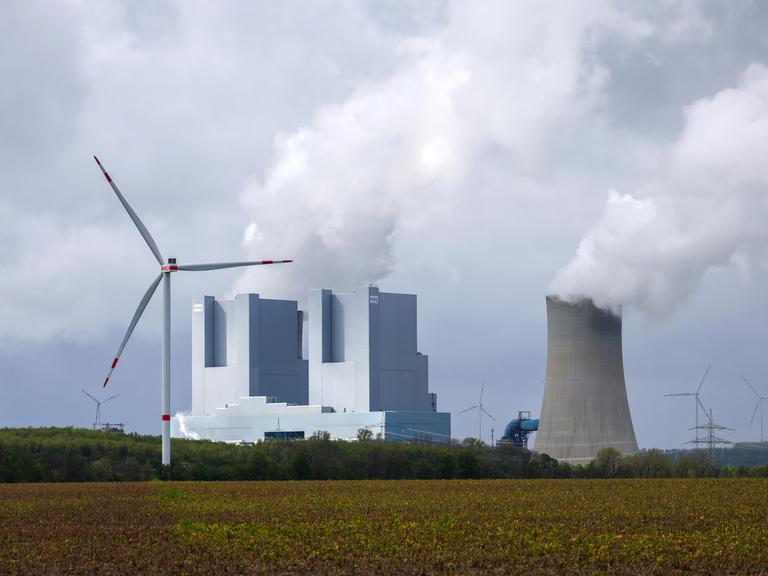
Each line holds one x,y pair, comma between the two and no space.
139,311
136,220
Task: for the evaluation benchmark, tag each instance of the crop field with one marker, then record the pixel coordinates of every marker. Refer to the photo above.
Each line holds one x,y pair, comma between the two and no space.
529,527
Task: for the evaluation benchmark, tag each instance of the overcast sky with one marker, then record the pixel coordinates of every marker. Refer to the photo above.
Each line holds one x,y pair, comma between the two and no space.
479,154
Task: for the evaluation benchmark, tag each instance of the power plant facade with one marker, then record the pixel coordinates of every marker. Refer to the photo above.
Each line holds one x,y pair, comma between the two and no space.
250,380
363,354
247,346
585,405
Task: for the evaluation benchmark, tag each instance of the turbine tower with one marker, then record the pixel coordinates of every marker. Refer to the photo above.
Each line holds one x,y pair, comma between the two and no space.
697,402
585,405
97,424
480,411
758,405
166,268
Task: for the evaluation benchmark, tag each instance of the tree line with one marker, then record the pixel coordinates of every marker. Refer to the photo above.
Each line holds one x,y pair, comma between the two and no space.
78,455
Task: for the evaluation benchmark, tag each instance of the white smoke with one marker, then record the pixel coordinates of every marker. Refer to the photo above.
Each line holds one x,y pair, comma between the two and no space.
708,208
396,154
186,432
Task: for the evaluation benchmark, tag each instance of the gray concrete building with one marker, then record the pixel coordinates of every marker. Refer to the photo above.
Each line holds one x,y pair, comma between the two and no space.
363,354
585,404
247,346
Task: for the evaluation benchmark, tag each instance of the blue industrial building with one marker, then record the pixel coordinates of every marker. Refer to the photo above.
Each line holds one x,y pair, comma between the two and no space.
516,431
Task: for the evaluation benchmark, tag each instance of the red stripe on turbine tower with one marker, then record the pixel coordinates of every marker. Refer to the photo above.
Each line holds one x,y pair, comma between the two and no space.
166,417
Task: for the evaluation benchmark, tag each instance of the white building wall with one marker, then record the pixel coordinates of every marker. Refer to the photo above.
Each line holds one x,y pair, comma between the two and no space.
249,420
243,347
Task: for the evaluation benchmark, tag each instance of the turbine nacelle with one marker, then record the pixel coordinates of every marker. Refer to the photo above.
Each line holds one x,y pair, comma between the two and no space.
170,267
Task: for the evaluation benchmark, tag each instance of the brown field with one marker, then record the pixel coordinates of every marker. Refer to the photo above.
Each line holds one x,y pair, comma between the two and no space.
387,527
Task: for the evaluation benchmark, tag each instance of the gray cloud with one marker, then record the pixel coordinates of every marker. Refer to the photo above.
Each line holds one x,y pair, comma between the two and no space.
457,150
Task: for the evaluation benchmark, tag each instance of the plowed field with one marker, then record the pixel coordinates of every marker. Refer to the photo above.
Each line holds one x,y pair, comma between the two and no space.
396,527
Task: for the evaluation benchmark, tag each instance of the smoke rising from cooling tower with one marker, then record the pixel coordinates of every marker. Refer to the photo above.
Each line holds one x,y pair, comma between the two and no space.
392,158
708,209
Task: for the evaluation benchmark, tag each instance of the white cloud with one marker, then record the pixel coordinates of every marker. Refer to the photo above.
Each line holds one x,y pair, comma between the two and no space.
398,153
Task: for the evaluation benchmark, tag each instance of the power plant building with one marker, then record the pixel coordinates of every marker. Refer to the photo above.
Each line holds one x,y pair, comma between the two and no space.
363,354
251,382
247,346
585,405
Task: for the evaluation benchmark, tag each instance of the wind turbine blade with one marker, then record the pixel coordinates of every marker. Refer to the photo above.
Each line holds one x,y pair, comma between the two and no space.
91,397
702,407
136,220
139,311
470,408
110,398
486,413
754,413
750,385
703,378
222,265
681,394
482,388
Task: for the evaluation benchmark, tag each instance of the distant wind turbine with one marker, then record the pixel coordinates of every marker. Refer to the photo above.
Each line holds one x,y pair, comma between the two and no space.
480,411
758,406
697,403
98,406
166,268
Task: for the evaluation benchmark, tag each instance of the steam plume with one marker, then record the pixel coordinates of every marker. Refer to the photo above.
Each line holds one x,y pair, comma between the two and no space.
189,435
709,208
398,152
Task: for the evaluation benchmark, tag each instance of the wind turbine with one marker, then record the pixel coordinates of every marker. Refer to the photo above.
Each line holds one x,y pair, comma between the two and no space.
98,406
480,411
697,403
166,268
758,405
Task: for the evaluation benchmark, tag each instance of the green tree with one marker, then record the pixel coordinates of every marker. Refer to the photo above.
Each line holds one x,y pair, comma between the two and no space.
323,435
606,463
364,435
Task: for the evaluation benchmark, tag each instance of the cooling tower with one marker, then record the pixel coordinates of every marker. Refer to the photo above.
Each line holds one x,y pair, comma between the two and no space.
585,404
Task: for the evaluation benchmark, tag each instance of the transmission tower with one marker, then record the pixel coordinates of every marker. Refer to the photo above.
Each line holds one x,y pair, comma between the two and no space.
710,440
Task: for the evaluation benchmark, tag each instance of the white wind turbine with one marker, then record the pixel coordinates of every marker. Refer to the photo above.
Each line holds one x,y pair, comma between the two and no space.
480,411
98,406
166,268
697,403
758,405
